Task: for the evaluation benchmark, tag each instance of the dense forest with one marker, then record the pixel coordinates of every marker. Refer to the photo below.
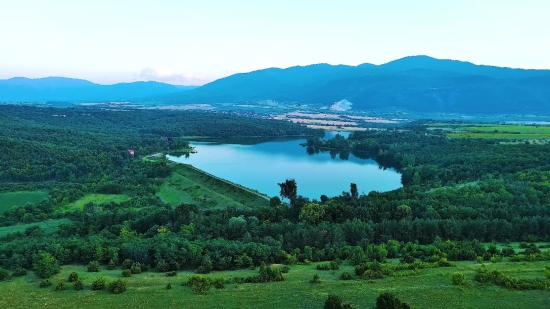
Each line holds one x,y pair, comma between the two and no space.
457,194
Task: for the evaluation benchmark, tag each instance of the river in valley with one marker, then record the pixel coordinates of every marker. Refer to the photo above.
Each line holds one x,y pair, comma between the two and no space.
260,164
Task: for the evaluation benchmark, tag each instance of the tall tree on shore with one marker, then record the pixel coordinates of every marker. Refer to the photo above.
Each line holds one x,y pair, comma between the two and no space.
353,190
289,189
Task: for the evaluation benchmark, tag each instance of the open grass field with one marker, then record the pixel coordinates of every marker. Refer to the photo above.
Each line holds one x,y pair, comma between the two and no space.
187,185
496,131
431,289
20,198
48,226
96,199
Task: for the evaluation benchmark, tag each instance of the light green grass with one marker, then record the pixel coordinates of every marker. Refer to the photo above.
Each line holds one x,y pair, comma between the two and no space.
495,131
20,198
431,289
97,199
48,226
187,185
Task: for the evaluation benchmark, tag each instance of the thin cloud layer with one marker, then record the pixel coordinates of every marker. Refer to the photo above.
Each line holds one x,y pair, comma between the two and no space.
166,76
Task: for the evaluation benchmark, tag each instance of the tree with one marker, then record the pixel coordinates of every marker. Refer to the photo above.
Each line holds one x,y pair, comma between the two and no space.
334,302
275,201
45,265
312,213
289,189
403,211
353,190
93,267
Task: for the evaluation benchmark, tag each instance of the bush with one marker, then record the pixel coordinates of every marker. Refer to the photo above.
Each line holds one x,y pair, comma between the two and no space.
219,283
98,284
171,273
372,275
508,251
126,273
61,286
390,301
19,272
496,258
169,286
135,270
44,283
4,274
479,260
93,267
323,267
346,276
117,286
206,266
78,285
111,265
333,302
458,279
315,279
285,269
199,284
127,264
162,267
73,277
45,265
547,272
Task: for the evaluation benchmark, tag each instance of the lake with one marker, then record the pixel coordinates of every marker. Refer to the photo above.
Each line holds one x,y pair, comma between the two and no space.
261,164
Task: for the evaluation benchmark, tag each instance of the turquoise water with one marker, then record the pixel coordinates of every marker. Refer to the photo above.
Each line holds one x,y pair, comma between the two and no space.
260,165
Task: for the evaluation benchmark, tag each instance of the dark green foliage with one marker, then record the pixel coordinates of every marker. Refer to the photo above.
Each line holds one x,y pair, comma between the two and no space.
111,265
78,285
219,283
135,270
162,266
199,284
4,275
333,265
508,251
390,301
169,286
346,276
372,274
458,279
44,283
93,267
500,279
61,286
45,265
117,286
289,189
126,273
315,279
99,284
267,274
19,272
285,269
127,264
335,302
275,201
171,273
206,266
73,277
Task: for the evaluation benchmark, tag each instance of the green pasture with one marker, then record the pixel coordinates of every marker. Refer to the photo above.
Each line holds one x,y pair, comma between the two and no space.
494,131
187,185
48,226
21,198
431,289
97,199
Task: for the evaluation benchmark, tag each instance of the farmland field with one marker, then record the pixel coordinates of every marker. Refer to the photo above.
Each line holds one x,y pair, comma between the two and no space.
20,198
494,131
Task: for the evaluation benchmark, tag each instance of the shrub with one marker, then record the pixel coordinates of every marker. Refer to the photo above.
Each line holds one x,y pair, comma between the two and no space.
372,275
127,264
93,267
407,259
111,265
346,276
444,263
479,260
45,265
206,266
333,302
135,270
126,273
390,301
162,266
458,279
285,269
78,285
98,284
334,265
219,283
508,251
19,272
323,267
44,283
61,286
199,284
117,286
4,274
496,258
171,273
169,286
547,271
73,277
315,279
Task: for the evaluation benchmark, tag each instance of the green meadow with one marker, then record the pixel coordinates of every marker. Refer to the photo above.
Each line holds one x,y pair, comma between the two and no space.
21,198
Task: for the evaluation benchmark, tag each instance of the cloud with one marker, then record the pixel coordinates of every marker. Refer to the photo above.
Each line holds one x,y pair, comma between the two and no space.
166,76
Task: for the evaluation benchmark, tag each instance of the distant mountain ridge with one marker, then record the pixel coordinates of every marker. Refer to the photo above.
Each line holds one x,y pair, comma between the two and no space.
21,89
416,83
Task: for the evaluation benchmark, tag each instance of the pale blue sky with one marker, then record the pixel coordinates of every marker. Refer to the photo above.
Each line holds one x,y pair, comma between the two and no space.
193,42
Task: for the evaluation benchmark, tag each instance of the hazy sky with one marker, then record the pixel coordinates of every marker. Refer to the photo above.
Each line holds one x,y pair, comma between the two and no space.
196,41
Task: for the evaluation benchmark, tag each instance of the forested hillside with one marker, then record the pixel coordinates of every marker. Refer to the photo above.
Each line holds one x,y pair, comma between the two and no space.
418,84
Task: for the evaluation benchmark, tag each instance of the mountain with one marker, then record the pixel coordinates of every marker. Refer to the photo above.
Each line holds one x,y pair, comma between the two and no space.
20,89
417,84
